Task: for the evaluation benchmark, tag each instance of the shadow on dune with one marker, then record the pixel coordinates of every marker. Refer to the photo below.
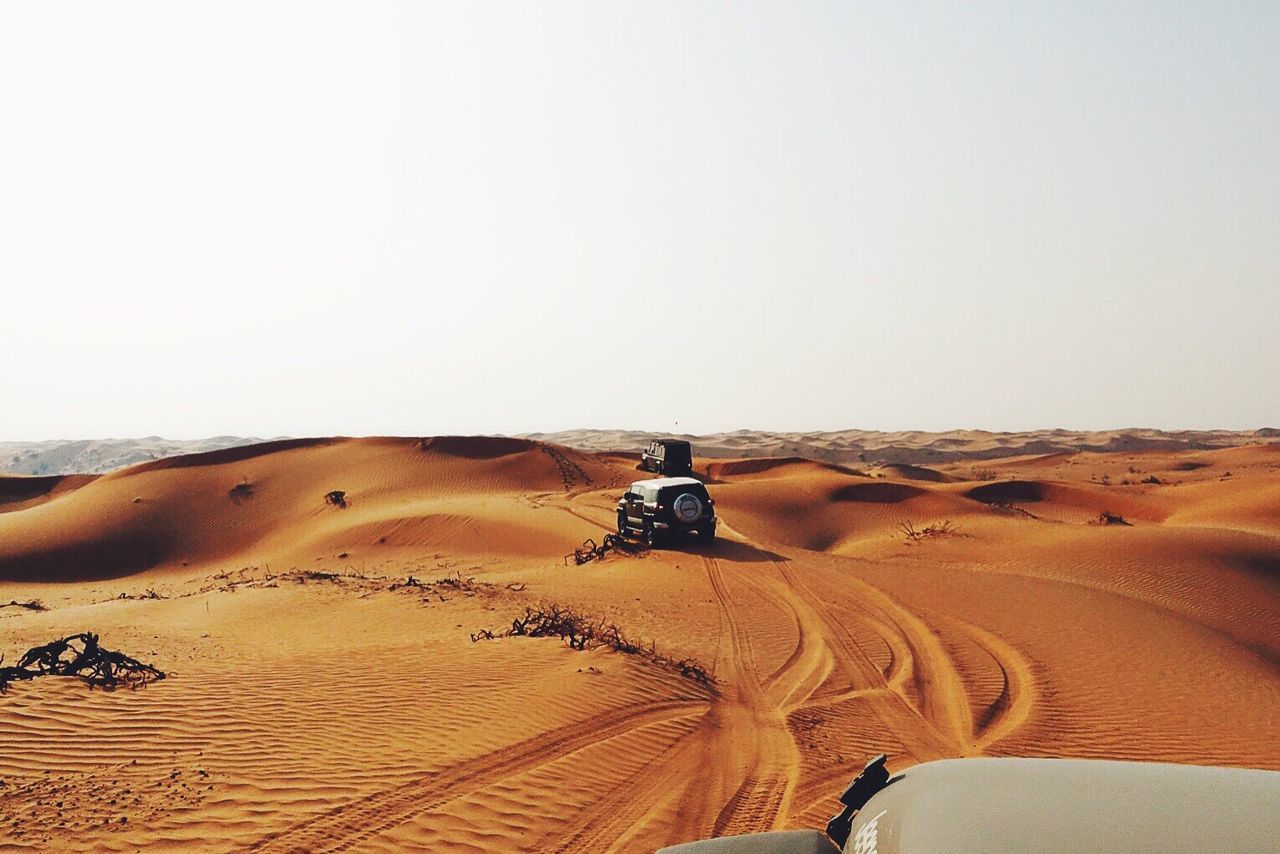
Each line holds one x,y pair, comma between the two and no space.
877,493
719,472
237,454
476,447
1008,491
114,557
729,550
917,473
22,488
1263,564
14,490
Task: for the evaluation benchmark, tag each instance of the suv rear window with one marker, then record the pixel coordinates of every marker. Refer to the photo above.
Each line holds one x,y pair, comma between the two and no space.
671,493
677,451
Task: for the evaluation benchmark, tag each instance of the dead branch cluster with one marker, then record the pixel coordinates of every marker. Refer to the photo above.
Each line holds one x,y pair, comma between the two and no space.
338,498
248,577
149,594
82,657
454,583
581,632
1106,517
241,492
457,582
354,580
33,605
408,582
302,576
937,529
1010,507
553,620
589,551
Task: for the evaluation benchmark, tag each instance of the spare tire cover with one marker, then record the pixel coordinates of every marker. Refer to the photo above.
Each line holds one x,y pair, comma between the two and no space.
688,507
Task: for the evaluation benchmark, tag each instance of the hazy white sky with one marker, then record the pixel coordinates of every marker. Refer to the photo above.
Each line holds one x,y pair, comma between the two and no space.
312,218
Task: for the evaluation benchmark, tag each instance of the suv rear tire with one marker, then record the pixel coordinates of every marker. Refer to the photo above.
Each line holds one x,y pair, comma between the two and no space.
623,530
650,535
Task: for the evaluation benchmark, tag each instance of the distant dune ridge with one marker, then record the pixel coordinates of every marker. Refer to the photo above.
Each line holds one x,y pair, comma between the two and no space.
913,447
95,456
325,691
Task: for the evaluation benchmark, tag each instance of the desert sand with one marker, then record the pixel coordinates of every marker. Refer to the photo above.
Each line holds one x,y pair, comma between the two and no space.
98,456
868,447
854,447
316,701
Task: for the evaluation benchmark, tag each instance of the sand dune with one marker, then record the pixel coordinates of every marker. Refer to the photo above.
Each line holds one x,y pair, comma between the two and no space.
914,447
317,702
95,456
906,472
17,493
845,447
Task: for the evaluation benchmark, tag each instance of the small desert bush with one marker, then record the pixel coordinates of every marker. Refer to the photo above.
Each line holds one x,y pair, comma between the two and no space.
241,492
579,631
937,529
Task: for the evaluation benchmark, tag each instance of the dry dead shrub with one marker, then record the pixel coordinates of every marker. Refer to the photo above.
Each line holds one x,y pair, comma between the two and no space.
581,632
82,657
241,492
33,605
937,529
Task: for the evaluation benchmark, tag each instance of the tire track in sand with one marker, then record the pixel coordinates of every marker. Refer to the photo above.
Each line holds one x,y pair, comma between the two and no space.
571,473
753,761
944,727
1018,696
912,642
743,674
627,808
944,697
745,786
351,823
811,661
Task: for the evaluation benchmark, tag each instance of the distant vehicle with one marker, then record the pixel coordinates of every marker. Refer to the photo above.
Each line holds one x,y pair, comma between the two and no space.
1050,806
664,507
668,456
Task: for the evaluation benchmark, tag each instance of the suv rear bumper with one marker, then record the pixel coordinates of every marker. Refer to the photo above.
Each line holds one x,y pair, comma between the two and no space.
696,526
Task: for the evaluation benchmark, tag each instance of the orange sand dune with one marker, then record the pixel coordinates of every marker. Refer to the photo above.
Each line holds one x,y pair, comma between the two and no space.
907,472
916,447
17,493
268,501
317,702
